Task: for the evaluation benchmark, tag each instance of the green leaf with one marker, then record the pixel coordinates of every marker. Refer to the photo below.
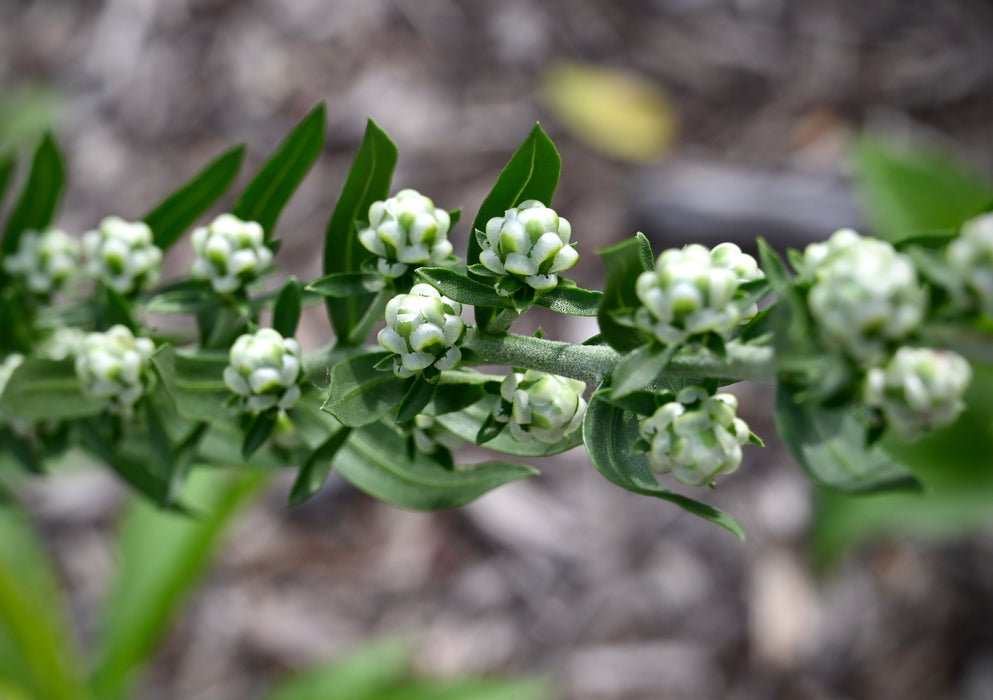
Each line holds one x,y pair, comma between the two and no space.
375,461
195,383
470,689
531,173
7,163
268,193
180,209
640,367
42,389
570,300
625,261
187,297
342,285
831,446
37,656
286,313
467,423
35,208
609,433
113,309
418,396
151,582
258,431
361,394
461,288
909,192
314,471
368,181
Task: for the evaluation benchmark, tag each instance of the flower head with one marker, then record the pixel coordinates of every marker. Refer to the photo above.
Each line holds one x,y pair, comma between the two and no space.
971,257
423,328
406,230
122,255
44,261
231,253
114,365
265,369
539,406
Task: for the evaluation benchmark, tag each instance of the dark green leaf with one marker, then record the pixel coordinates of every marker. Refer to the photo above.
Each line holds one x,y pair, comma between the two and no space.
286,313
47,389
467,423
314,471
625,262
259,430
342,285
7,163
609,433
375,461
21,449
831,446
113,309
489,430
131,461
416,399
449,398
368,181
268,193
177,213
640,367
462,288
360,393
570,300
35,208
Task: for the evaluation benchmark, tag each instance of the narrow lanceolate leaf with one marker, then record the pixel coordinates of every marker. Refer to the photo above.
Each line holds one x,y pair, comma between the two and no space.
571,300
133,462
625,261
268,193
467,423
342,285
180,209
416,399
609,433
314,471
41,389
35,208
362,394
531,173
7,163
461,288
639,368
286,313
375,460
368,181
831,446
258,431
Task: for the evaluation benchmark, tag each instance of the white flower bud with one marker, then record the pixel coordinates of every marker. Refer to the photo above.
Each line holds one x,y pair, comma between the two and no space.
529,242
114,365
65,342
539,406
122,255
919,389
231,253
406,230
696,437
971,257
429,435
864,293
44,261
693,291
265,368
423,329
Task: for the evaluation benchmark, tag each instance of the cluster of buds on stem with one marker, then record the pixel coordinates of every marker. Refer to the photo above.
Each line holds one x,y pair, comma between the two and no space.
529,243
539,406
231,253
114,365
696,437
971,257
44,261
264,368
122,255
406,230
423,328
694,291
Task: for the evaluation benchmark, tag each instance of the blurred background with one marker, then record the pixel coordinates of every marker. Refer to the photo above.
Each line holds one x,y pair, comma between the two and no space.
690,120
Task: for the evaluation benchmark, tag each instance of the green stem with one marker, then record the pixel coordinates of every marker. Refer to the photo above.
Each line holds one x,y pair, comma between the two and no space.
591,363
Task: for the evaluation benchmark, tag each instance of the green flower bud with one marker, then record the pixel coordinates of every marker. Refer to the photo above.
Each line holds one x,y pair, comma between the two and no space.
429,435
864,294
919,389
114,365
696,437
122,255
406,230
971,257
423,329
539,406
231,253
529,242
44,261
694,291
265,368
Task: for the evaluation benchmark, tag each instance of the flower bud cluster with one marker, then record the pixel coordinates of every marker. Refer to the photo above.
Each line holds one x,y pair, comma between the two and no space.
694,291
44,261
406,230
864,295
265,369
423,329
529,242
114,365
696,437
971,257
231,253
918,389
122,255
429,435
539,406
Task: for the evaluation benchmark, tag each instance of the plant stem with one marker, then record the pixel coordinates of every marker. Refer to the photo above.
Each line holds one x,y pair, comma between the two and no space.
590,363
